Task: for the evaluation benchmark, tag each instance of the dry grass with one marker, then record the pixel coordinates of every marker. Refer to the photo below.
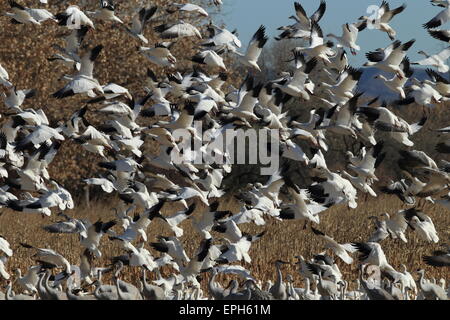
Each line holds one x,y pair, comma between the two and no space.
283,239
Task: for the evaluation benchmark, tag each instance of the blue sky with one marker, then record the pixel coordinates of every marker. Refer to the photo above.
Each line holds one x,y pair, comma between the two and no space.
248,15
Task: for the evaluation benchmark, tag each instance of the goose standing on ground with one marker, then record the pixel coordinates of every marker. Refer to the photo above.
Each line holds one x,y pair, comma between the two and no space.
373,291
429,290
278,290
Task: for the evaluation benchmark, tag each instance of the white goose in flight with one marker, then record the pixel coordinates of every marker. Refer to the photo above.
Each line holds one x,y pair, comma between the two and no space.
390,58
349,36
383,16
256,44
438,60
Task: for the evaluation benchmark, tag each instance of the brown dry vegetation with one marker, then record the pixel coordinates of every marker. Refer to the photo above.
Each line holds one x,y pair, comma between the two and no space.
283,239
23,52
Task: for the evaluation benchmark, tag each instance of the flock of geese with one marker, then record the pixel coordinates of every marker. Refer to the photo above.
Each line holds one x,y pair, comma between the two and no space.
28,145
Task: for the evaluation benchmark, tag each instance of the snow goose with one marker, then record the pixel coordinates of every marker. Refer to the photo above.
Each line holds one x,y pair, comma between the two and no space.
209,217
177,30
16,98
21,14
138,195
330,188
106,12
278,290
423,93
381,231
439,258
139,224
429,290
4,78
425,229
160,54
302,27
338,63
383,17
71,225
443,35
341,124
83,81
29,280
341,250
40,134
349,36
296,86
173,247
372,253
441,84
373,291
249,93
50,256
210,58
221,37
94,234
255,46
194,266
174,220
440,19
318,48
5,247
228,229
139,21
346,83
437,60
390,58
187,7
396,225
371,160
74,18
300,209
69,54
238,251
397,83
41,15
441,3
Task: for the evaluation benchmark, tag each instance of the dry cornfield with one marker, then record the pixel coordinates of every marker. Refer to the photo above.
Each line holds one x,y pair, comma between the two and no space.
283,239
